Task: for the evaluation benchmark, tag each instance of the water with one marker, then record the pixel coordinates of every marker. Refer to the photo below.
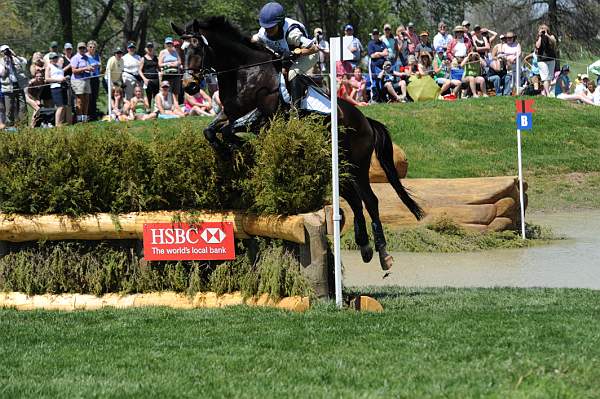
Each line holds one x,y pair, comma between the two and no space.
571,263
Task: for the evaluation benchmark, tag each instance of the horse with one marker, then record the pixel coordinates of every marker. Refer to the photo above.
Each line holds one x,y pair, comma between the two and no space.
248,78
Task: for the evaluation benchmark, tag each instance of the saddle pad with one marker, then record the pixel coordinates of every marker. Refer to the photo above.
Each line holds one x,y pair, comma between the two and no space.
316,101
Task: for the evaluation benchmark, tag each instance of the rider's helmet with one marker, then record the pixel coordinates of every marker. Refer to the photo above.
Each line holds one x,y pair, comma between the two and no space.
271,14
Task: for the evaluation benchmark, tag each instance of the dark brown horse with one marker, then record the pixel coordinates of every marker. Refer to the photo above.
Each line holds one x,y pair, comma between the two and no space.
248,76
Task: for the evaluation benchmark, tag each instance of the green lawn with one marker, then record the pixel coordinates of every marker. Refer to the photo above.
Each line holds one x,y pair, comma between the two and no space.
428,343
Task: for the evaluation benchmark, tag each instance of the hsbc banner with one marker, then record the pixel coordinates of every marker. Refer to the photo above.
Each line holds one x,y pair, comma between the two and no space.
182,241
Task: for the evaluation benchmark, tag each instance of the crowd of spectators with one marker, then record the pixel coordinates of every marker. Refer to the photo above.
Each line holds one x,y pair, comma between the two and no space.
63,87
464,62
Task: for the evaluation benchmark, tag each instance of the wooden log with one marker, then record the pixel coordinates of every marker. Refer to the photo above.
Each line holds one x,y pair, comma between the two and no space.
506,207
365,303
376,173
314,254
103,226
501,224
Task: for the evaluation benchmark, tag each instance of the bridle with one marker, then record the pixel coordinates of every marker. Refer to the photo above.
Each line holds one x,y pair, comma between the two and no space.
196,40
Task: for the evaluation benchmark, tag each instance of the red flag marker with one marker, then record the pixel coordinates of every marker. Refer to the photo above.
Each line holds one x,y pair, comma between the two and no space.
524,106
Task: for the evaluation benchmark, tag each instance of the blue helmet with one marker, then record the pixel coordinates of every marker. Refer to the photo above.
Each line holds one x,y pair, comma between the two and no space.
271,14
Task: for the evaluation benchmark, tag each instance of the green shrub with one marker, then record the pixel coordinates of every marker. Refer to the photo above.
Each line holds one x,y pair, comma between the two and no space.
293,168
105,168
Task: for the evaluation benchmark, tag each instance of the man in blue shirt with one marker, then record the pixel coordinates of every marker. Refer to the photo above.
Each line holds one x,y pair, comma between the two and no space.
378,53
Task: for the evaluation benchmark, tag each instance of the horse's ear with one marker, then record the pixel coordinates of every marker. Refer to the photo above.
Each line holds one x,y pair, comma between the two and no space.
180,31
196,25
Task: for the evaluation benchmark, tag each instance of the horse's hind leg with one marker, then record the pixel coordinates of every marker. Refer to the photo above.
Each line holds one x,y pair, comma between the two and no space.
352,197
372,205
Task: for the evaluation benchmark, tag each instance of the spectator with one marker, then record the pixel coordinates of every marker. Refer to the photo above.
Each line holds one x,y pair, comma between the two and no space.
216,101
582,86
457,72
323,46
402,42
119,106
139,106
441,75
467,25
66,59
165,103
95,78
481,43
355,47
56,76
37,94
561,90
534,72
358,84
473,76
460,45
378,53
170,63
390,42
391,82
424,67
490,35
149,72
52,49
412,37
131,70
198,104
345,92
114,69
13,81
424,44
37,63
546,48
511,49
80,81
442,38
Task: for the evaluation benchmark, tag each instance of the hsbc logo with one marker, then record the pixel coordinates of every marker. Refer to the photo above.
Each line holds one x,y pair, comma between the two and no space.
213,235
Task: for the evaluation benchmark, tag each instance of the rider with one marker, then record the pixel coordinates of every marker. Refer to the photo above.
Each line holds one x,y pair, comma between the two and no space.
289,39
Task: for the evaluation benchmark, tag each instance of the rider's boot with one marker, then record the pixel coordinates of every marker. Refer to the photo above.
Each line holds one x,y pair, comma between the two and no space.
296,92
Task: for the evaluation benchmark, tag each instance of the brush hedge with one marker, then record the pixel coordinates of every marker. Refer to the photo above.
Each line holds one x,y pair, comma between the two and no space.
106,168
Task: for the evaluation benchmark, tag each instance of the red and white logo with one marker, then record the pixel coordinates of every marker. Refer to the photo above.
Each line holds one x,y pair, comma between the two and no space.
181,241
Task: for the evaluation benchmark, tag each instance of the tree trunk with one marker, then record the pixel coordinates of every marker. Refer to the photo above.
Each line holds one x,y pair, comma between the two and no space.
95,33
66,18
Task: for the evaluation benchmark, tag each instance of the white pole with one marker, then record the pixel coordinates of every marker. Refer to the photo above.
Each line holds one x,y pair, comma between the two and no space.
109,85
334,56
518,77
521,200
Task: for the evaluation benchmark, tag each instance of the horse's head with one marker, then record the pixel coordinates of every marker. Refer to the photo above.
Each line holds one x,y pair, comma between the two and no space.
196,55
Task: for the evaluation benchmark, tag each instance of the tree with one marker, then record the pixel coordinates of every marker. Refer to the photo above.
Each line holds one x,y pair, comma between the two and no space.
66,18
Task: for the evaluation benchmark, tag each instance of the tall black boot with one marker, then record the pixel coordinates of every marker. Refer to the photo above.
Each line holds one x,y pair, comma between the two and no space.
297,89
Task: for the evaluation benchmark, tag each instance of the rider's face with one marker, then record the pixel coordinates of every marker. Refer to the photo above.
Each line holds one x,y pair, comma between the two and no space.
272,31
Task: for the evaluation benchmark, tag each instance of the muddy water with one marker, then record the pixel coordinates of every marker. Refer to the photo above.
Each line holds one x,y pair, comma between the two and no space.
573,263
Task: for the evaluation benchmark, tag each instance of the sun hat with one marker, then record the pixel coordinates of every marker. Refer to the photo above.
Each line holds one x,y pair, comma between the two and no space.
502,37
3,48
424,33
81,45
168,40
459,28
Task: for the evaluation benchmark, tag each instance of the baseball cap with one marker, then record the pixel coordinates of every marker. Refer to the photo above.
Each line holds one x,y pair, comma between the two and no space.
165,83
52,55
81,45
4,47
387,26
68,45
465,23
439,49
375,31
501,37
585,76
118,50
348,27
168,39
150,44
410,24
131,45
54,44
565,67
477,27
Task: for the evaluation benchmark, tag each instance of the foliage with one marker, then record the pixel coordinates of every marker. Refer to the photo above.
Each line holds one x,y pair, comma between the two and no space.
444,235
292,169
106,168
103,267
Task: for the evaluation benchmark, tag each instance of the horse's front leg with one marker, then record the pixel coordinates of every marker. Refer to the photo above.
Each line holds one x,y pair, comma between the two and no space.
210,133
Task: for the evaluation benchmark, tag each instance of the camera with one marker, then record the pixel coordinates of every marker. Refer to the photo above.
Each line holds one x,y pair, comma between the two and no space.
543,32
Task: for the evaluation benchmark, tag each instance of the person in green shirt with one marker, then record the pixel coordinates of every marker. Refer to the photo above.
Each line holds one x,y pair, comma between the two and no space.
473,65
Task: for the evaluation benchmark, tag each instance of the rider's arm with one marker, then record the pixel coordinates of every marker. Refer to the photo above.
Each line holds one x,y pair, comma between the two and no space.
303,44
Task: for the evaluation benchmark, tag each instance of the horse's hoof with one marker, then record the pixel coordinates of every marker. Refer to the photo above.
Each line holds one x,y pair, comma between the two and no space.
366,252
387,261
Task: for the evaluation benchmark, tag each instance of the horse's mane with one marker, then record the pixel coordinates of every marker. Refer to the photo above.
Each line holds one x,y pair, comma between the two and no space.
223,26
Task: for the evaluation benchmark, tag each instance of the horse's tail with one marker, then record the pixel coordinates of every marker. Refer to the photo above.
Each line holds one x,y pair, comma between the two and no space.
385,154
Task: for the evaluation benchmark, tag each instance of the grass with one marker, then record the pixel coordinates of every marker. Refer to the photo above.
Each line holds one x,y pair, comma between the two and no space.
452,343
